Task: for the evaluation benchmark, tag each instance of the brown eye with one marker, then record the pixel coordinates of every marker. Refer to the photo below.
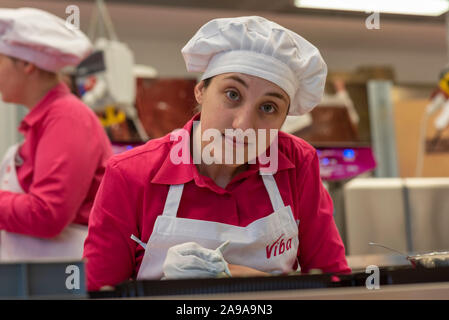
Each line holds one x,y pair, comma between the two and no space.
268,108
233,95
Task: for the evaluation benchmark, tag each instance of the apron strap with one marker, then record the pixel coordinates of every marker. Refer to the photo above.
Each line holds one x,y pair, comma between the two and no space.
173,200
175,193
273,191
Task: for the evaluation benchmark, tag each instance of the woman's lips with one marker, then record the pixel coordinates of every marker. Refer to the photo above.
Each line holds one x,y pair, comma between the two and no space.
233,140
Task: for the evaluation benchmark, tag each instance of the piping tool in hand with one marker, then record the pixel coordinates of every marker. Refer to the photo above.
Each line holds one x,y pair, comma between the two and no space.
220,249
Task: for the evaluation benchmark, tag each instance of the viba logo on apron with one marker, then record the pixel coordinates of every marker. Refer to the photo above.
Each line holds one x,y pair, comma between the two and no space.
269,244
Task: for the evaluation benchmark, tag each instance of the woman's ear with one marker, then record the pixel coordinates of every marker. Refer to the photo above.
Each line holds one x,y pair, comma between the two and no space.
199,90
27,67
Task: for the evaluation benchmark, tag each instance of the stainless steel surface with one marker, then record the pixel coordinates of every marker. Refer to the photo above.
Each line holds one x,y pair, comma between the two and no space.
429,213
374,212
359,263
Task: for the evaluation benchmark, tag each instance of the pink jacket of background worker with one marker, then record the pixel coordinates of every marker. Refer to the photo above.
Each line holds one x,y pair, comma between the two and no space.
136,183
63,161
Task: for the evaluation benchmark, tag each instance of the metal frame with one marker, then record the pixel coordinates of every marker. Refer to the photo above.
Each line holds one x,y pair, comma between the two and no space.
383,134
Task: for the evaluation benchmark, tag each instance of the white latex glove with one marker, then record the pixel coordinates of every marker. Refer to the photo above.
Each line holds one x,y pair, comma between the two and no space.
190,260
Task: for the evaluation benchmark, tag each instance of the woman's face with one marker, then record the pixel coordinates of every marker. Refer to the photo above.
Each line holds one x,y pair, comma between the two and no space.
11,80
240,101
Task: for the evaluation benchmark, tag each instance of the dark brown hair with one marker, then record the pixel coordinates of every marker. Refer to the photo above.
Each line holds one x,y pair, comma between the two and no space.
206,84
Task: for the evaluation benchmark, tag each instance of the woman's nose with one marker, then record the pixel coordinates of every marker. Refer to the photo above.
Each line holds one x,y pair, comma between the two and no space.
244,118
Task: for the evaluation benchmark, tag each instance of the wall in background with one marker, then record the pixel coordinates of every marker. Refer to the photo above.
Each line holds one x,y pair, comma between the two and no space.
10,116
417,50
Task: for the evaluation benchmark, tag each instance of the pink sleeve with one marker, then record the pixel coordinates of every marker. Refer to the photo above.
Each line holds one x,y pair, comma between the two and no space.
320,245
108,249
65,164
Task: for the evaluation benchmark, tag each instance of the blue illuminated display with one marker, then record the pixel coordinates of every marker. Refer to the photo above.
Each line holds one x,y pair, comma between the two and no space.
325,161
349,153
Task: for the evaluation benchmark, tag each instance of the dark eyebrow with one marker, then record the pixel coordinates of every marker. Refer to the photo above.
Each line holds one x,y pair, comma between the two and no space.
277,95
272,94
235,78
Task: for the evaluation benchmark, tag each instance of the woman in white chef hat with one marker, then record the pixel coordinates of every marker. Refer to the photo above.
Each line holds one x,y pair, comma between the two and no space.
47,183
156,216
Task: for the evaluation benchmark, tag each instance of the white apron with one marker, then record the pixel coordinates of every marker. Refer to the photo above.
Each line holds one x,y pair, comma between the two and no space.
17,247
269,244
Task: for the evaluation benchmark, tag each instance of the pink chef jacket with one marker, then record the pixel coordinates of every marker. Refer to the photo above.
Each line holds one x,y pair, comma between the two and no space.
135,186
64,157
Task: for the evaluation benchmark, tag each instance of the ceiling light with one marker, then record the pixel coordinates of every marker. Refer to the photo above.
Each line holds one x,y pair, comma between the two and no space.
408,7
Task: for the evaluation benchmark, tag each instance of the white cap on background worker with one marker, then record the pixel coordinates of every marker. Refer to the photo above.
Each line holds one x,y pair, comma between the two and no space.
48,182
41,38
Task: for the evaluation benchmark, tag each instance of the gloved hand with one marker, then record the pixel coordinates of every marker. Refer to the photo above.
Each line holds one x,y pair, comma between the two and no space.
190,260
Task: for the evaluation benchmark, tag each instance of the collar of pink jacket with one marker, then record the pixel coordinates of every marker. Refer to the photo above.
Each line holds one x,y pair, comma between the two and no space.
170,173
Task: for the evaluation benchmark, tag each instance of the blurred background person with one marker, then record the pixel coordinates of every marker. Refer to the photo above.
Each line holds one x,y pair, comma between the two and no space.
48,183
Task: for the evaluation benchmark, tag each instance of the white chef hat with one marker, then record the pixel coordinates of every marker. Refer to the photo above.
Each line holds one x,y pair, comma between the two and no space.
41,38
259,47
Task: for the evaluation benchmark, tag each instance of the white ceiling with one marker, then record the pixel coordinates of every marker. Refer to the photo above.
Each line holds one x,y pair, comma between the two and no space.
344,39
139,21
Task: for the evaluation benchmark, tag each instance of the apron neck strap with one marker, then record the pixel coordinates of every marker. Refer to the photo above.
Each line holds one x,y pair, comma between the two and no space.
273,191
173,200
175,193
